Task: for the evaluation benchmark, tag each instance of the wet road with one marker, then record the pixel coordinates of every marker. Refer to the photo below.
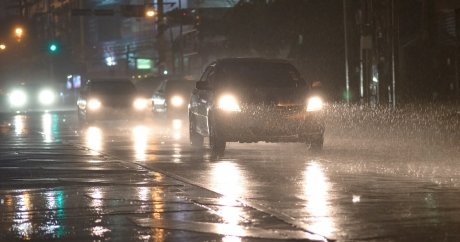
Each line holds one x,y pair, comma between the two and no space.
132,182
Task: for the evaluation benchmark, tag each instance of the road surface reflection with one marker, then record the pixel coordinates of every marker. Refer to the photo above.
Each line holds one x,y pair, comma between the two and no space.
316,192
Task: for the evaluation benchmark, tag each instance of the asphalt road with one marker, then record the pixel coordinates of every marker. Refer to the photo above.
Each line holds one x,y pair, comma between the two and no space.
123,181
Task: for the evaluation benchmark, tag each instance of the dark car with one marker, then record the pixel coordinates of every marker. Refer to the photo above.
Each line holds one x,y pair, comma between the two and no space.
31,96
251,100
171,98
111,99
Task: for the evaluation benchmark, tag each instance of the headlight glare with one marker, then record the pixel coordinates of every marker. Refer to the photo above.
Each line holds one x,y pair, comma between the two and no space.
314,104
140,104
229,103
94,104
17,98
177,101
46,97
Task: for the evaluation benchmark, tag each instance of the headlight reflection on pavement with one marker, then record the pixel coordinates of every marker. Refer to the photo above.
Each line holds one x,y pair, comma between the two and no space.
94,139
140,138
50,127
228,180
155,197
22,222
316,192
54,202
19,125
177,129
97,198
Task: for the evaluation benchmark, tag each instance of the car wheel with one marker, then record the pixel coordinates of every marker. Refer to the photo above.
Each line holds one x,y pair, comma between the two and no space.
316,144
216,141
196,140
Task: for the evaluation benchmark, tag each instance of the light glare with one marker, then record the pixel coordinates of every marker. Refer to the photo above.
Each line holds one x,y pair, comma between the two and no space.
46,97
229,103
314,104
94,104
140,104
177,101
150,13
17,98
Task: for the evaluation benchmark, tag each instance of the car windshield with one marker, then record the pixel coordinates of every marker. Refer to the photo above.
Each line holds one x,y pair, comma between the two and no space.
113,88
262,74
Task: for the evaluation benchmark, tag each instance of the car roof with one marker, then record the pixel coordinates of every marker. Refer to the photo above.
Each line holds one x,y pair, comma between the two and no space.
108,80
251,59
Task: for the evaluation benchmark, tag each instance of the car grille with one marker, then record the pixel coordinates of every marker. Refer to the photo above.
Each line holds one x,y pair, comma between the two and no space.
272,110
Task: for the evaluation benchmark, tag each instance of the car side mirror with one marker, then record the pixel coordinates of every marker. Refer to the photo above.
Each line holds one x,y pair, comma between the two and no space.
202,85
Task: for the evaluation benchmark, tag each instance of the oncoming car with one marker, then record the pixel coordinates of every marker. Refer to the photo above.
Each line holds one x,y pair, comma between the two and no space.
32,96
251,100
111,99
171,98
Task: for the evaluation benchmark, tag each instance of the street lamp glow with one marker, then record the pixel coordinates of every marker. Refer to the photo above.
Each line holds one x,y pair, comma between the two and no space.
18,31
2,46
150,13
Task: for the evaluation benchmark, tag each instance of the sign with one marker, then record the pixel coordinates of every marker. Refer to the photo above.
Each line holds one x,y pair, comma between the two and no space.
144,64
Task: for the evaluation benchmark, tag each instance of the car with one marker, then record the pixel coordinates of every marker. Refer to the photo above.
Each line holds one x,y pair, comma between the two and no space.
110,99
252,100
31,96
171,98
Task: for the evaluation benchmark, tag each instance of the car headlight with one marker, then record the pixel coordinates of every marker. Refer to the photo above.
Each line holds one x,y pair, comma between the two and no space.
177,101
314,104
17,98
94,104
229,103
46,97
140,104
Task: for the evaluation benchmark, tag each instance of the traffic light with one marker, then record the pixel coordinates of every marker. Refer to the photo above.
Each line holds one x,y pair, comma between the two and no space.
53,47
182,16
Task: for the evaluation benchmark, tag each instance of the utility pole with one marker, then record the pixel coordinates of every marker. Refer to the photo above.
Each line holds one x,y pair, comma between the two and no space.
181,47
394,49
366,46
161,47
347,74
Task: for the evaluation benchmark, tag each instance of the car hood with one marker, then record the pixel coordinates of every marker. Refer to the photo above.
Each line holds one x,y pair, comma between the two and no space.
116,100
272,96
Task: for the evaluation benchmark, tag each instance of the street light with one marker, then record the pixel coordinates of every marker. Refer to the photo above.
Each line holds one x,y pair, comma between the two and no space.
19,32
150,12
2,46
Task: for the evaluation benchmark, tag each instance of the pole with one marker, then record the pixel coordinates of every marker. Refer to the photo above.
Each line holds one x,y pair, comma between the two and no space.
82,38
128,52
395,45
161,45
181,50
347,74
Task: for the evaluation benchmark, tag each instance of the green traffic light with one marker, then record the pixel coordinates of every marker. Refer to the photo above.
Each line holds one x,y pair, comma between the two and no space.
53,48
